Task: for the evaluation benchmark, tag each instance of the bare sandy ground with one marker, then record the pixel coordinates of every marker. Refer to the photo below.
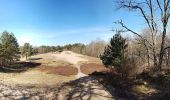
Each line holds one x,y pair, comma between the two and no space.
85,88
82,87
70,57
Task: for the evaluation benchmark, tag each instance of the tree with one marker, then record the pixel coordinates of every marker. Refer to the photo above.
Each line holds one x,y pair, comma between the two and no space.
95,48
156,15
34,50
26,50
9,48
114,54
78,48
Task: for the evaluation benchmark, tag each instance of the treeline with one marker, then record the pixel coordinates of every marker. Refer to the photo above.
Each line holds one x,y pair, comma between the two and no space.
95,48
9,49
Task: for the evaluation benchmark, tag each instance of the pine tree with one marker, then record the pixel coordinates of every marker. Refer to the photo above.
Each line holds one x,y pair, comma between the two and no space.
26,50
114,54
9,48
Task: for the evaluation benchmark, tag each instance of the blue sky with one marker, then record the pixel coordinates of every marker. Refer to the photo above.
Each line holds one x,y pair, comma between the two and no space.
59,22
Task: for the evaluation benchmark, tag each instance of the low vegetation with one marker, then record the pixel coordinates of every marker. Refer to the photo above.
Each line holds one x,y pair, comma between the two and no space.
91,68
59,70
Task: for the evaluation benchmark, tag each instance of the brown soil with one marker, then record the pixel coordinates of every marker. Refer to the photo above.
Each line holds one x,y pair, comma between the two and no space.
91,68
60,70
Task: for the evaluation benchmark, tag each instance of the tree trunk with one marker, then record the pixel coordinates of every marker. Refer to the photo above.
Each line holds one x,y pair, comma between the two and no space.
26,57
165,22
167,62
162,45
148,56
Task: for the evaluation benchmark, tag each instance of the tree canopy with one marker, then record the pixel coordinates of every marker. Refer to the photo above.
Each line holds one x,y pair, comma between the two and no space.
9,48
26,50
114,54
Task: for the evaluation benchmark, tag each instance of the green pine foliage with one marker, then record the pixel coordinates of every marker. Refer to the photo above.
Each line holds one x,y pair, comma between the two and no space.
9,49
26,50
114,54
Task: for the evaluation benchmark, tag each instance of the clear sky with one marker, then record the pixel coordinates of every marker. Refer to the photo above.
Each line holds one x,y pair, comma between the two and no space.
58,22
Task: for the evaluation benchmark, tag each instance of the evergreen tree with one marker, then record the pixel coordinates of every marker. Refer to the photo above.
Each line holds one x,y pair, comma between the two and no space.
114,54
26,50
9,48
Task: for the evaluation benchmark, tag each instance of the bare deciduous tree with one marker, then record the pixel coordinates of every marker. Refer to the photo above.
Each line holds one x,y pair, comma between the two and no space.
156,15
95,48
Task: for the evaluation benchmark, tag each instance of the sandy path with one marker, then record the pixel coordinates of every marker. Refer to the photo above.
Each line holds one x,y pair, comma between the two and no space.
72,58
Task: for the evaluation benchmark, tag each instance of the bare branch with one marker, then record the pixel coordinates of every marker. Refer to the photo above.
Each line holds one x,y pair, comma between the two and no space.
159,5
134,5
168,47
121,23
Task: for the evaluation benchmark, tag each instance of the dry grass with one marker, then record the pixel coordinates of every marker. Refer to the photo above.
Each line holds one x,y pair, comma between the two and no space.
49,59
143,89
52,71
90,60
33,77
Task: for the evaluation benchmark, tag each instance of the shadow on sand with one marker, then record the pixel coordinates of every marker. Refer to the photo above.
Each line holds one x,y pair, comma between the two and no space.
87,88
19,67
97,87
35,58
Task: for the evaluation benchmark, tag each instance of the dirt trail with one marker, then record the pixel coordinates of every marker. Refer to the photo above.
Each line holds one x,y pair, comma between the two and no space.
80,74
72,58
